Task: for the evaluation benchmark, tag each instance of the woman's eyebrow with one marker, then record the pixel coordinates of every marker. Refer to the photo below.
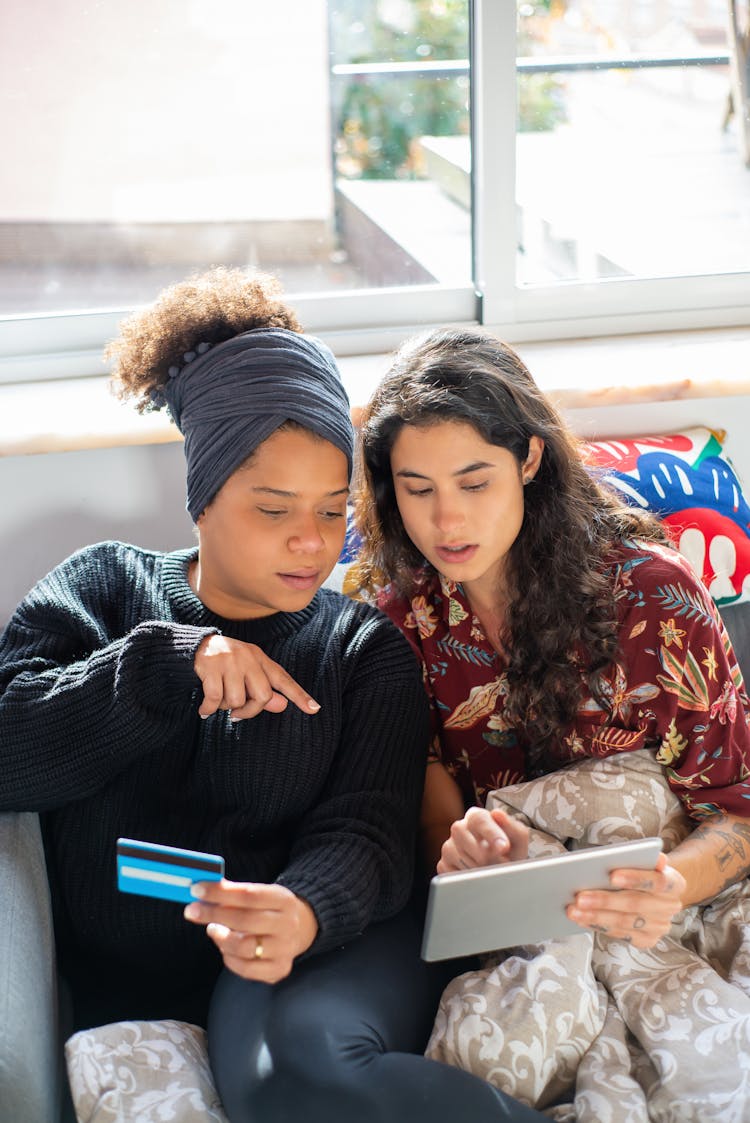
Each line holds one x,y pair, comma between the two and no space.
408,473
294,494
475,467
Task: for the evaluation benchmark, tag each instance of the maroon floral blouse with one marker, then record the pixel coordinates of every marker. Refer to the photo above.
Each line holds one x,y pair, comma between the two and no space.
676,687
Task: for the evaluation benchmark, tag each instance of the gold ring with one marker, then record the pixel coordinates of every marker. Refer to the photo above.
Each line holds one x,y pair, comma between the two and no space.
258,948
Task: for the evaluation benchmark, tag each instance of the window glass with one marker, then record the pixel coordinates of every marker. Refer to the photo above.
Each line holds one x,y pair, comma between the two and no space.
141,141
629,157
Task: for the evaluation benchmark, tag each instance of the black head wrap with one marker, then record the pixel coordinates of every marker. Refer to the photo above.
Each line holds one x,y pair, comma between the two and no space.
227,400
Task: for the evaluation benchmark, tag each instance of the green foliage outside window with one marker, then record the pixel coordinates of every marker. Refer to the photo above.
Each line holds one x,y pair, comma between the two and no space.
377,118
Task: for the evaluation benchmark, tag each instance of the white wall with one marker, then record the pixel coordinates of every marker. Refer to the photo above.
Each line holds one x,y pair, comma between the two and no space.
55,503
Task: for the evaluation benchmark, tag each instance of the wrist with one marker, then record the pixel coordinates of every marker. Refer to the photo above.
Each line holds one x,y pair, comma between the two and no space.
307,926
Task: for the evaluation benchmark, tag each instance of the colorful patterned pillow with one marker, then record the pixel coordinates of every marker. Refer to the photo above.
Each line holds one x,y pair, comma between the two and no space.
688,481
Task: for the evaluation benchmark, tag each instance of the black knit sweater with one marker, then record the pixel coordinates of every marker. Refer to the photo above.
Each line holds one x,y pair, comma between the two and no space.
99,730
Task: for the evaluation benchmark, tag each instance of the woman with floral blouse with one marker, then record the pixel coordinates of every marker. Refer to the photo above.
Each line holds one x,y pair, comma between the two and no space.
552,623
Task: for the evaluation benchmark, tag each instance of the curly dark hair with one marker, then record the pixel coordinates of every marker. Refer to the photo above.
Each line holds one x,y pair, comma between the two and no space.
208,307
562,615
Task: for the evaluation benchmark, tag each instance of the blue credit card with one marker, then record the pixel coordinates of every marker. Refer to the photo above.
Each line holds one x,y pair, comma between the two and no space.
167,872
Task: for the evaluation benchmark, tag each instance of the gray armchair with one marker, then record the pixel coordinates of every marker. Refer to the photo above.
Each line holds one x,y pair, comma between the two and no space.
33,1088
31,1074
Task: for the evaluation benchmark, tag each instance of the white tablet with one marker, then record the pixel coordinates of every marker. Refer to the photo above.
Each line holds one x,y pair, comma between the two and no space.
523,902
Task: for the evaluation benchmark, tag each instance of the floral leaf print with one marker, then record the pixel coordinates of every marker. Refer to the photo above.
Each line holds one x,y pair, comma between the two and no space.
448,588
499,722
620,700
623,581
683,602
673,745
455,612
475,655
422,617
481,701
704,810
637,629
670,633
717,754
734,669
623,571
710,663
685,680
725,707
574,743
504,740
505,778
699,779
611,737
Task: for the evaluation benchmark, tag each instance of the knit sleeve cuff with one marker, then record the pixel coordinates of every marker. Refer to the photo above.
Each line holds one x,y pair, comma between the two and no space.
344,903
157,662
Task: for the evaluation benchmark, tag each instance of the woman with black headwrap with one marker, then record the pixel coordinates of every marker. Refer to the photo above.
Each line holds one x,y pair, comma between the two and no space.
218,699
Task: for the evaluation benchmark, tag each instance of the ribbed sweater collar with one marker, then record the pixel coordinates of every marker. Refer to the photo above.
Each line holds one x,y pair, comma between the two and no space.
190,610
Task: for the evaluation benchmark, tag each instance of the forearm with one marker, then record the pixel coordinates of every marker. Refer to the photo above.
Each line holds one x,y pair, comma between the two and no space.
714,856
433,836
442,805
67,727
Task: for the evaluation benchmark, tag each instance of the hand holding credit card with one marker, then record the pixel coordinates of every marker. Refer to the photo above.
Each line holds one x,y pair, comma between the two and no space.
166,872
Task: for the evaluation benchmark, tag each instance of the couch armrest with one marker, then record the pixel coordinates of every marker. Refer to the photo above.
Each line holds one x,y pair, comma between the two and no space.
30,1048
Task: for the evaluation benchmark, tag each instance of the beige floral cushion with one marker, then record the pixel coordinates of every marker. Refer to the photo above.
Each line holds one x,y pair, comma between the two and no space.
595,801
526,1019
142,1072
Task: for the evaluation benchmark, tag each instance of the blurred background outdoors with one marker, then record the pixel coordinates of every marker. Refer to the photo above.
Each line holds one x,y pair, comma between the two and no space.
329,142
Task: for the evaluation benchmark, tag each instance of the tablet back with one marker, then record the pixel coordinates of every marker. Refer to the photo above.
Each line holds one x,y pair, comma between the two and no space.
502,906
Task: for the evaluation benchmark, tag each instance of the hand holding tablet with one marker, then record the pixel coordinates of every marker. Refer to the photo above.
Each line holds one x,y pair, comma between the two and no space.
522,902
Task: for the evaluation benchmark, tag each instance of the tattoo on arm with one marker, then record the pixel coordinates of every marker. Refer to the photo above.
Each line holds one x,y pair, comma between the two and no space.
732,838
742,830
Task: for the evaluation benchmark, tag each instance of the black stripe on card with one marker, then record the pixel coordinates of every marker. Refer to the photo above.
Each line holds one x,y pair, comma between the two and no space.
170,857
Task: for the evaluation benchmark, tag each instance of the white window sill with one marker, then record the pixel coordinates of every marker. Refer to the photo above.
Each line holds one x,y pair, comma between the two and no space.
81,413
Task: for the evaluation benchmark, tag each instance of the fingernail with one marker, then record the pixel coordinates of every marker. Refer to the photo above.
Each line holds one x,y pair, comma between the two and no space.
203,716
192,912
234,719
313,705
197,890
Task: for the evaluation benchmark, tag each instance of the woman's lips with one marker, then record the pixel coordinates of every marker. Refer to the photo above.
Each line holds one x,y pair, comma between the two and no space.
300,581
453,555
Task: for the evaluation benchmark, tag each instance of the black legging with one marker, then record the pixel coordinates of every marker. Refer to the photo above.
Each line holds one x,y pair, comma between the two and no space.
340,1041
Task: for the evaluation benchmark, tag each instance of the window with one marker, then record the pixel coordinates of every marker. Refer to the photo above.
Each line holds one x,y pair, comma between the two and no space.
624,198
550,168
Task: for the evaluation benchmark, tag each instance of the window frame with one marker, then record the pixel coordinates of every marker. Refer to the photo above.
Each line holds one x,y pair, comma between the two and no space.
570,309
66,345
